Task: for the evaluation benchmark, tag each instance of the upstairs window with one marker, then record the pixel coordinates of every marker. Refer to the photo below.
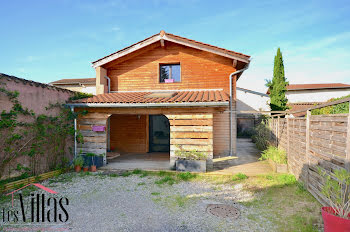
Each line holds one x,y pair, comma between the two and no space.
169,73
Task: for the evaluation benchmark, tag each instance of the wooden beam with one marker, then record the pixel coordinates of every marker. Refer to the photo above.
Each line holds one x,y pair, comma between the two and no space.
234,63
162,43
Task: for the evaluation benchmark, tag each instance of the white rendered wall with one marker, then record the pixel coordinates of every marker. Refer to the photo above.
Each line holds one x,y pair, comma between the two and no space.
250,101
318,95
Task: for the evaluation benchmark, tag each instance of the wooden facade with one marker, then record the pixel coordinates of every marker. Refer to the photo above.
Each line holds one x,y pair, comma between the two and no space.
136,68
199,69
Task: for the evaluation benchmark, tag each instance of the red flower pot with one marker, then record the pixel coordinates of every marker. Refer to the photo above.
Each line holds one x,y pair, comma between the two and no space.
93,168
77,168
333,223
85,169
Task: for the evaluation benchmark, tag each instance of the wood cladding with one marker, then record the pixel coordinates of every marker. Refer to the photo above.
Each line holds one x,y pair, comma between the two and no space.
319,142
199,69
128,133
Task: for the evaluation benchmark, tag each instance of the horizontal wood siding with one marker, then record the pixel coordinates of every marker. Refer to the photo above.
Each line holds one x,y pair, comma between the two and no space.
128,133
199,69
191,132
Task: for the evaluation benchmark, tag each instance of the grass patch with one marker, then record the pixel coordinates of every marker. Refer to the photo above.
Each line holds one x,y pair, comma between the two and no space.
137,171
155,193
186,176
142,183
167,179
113,175
239,176
283,201
126,174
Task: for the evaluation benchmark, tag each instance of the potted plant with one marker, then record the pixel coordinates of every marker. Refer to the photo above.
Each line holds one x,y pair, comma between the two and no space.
86,166
277,159
336,217
78,163
93,166
190,161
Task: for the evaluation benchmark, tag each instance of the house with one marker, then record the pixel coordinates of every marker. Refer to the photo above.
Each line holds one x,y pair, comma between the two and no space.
85,85
300,93
163,94
249,101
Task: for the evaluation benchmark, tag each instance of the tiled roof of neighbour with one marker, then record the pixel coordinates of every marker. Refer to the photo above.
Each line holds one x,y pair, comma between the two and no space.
159,97
317,86
301,106
75,81
32,83
162,33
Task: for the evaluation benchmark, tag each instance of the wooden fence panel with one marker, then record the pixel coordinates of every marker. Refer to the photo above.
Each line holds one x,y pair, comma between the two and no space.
313,143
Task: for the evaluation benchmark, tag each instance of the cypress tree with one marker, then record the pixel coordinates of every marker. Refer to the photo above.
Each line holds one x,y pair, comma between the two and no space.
278,85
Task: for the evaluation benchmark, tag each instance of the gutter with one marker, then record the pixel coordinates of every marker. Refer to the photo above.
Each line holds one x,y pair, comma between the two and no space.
148,105
231,121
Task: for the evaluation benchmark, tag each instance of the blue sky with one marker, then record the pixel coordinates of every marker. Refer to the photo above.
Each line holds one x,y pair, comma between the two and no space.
49,40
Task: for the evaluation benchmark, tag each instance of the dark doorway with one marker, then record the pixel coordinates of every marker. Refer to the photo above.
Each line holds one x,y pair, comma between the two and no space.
159,133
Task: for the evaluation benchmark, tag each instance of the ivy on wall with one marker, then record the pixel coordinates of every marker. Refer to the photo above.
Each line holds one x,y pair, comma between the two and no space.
44,141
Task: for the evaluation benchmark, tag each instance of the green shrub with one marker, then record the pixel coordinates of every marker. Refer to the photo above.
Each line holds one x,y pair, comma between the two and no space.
78,161
342,108
190,155
80,95
275,154
261,136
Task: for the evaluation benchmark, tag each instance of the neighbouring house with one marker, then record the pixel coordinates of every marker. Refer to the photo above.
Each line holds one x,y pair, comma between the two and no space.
304,96
160,95
85,85
249,101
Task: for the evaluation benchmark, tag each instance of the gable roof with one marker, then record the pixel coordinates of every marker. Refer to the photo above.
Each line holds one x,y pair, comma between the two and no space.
176,97
163,36
79,81
317,86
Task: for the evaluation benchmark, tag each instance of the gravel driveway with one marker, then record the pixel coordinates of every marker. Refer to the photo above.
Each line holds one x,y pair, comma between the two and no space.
136,203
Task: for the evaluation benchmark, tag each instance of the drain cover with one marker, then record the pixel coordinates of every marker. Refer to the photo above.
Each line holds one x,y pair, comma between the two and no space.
224,211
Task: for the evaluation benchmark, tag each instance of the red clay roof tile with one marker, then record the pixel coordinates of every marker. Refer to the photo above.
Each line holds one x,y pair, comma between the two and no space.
143,97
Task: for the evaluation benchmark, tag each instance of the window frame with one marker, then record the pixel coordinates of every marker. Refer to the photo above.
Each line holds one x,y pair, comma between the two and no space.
169,64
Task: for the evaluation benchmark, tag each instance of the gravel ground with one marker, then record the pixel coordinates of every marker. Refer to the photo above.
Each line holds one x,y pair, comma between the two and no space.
135,203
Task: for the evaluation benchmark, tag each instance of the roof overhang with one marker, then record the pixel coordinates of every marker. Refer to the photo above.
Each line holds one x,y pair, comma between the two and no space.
170,38
150,105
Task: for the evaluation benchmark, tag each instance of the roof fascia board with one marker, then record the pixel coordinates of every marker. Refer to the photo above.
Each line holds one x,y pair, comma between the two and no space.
146,105
126,51
170,39
202,47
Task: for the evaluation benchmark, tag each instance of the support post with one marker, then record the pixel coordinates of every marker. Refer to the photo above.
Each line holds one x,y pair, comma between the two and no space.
278,131
288,156
307,145
347,159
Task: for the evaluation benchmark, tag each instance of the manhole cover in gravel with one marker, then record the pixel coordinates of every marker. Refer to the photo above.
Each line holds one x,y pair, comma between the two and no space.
224,211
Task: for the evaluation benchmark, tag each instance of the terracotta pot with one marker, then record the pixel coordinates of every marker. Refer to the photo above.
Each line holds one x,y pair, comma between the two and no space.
93,168
85,169
77,168
333,223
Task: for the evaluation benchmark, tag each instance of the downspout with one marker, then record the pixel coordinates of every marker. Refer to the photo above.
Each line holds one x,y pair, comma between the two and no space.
231,126
109,83
75,133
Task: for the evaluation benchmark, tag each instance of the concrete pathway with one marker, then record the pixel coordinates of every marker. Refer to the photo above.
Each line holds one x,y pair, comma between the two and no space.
246,161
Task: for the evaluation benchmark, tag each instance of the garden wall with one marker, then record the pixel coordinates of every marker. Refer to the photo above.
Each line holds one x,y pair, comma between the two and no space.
313,142
33,126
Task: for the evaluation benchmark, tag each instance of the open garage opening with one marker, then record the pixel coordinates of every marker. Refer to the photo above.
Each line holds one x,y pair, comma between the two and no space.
138,141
